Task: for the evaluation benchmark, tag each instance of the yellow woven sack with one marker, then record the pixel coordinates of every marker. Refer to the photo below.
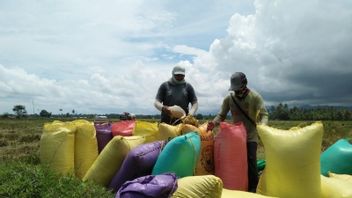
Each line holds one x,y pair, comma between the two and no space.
110,159
336,186
199,186
292,161
167,131
86,146
57,147
148,130
226,193
344,177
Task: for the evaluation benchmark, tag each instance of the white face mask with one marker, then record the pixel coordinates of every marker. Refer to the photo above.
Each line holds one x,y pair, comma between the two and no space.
175,81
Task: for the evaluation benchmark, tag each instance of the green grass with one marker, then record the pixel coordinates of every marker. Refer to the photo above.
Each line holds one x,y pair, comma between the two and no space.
20,179
22,175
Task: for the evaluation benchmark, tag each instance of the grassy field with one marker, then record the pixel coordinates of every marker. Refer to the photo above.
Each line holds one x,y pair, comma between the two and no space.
19,146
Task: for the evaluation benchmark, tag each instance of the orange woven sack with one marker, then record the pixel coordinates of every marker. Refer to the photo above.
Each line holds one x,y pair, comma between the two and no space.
123,128
205,164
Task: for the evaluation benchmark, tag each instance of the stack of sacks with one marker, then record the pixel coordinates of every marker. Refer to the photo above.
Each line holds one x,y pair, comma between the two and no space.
104,134
139,162
230,156
57,145
180,156
337,158
205,164
123,128
148,130
199,186
69,147
336,186
186,128
110,159
167,131
292,161
162,185
86,147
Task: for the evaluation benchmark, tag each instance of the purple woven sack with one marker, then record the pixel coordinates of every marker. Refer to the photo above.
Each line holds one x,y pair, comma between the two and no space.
160,186
139,162
103,134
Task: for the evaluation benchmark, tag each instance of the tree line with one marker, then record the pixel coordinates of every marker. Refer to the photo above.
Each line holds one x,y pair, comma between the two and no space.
283,112
279,112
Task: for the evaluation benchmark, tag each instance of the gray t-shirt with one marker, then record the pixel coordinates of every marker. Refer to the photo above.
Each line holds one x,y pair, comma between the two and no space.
175,94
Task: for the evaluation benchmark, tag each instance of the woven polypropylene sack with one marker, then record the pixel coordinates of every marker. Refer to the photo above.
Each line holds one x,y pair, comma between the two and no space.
167,131
57,146
158,186
344,177
336,186
139,162
292,161
337,158
230,156
226,193
177,111
148,130
86,146
180,156
103,134
186,128
199,186
205,164
110,159
124,128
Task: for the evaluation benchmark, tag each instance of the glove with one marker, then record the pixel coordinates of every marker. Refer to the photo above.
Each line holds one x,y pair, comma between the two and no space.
210,126
166,110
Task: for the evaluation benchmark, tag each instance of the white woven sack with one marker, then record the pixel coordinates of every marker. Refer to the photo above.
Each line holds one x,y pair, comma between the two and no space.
177,111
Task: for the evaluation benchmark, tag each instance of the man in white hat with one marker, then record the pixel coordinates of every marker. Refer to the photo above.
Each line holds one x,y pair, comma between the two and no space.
175,91
247,106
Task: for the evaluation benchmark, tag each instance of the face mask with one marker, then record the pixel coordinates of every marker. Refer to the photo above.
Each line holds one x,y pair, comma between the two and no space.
242,92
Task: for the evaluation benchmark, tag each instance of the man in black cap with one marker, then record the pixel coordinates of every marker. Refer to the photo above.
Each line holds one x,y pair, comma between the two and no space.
175,91
246,106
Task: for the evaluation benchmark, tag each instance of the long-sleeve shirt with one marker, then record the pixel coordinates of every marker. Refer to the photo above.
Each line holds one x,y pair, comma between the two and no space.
252,104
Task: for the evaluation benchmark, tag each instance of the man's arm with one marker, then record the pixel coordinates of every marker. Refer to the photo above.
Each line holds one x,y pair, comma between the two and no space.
158,105
263,115
225,108
194,108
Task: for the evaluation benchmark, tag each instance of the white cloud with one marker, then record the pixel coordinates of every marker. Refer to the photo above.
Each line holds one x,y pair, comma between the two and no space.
291,51
112,56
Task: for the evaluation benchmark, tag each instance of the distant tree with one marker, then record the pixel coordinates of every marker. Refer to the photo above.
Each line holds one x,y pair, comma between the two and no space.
20,110
199,116
5,115
45,113
281,112
73,111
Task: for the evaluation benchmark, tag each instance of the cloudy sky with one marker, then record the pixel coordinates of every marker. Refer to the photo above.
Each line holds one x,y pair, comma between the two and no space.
111,56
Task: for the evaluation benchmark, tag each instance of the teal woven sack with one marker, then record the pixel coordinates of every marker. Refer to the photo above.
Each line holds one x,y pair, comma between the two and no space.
337,158
179,156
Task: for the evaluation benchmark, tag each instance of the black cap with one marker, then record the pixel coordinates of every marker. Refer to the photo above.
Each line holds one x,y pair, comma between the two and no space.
238,81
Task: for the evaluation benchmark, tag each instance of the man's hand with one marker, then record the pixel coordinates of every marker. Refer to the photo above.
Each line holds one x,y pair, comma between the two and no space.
166,110
210,126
